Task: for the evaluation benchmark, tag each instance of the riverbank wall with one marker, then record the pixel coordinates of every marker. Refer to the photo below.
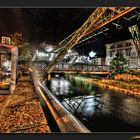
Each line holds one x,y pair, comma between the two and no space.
107,86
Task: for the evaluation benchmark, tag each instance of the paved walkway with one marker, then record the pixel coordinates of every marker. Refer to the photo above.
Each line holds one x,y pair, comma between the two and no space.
3,100
22,112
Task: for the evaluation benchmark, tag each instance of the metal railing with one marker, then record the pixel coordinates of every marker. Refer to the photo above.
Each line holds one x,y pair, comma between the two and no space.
64,119
40,67
81,67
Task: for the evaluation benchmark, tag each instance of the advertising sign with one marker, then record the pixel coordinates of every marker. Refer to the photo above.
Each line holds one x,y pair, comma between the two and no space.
6,40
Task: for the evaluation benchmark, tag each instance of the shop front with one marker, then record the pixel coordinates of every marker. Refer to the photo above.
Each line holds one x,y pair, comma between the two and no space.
8,68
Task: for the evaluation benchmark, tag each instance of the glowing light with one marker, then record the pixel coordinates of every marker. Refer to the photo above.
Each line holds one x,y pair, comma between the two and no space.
69,51
49,49
30,69
56,75
7,65
92,54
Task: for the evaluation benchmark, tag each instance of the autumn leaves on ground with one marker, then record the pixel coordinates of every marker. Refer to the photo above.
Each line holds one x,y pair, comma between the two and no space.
21,111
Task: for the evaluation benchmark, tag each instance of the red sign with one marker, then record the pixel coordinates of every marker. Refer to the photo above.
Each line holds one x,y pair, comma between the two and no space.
6,40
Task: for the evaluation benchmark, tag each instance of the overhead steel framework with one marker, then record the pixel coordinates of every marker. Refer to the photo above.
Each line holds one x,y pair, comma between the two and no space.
136,37
112,16
124,21
99,18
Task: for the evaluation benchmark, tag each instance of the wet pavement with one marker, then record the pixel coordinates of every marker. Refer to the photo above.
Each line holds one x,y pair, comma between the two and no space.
21,111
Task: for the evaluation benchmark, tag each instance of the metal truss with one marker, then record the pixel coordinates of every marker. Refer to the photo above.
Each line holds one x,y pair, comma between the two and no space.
136,37
98,19
108,17
116,20
75,38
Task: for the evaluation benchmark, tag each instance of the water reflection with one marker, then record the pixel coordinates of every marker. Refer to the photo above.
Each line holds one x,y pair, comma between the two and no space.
85,106
99,109
60,86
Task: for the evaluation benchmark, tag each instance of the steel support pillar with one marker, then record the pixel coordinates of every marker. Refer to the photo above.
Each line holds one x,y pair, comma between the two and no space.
134,30
14,68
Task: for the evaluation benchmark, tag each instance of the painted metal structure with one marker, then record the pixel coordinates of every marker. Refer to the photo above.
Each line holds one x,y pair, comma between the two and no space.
99,18
136,37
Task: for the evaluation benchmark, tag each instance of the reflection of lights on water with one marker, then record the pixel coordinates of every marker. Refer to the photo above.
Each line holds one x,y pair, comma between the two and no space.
82,104
56,75
60,86
132,104
64,83
129,110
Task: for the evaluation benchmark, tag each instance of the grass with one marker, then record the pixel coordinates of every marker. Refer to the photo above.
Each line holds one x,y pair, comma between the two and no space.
122,84
128,85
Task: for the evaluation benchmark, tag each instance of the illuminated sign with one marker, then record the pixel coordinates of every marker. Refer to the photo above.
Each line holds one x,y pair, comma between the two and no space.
6,40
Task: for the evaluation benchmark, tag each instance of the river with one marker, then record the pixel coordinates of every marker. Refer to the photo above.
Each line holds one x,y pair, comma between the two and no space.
100,110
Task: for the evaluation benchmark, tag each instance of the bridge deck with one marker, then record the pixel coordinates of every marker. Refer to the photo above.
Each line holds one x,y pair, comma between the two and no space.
22,112
79,72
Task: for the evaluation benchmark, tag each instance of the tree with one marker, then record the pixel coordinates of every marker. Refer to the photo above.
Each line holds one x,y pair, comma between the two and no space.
118,64
17,39
25,53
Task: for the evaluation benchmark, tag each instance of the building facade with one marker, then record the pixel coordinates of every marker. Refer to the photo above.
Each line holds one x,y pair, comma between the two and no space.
127,48
98,61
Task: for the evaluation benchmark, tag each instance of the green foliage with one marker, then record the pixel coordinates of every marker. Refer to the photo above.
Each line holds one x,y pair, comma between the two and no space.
25,53
70,94
118,64
89,87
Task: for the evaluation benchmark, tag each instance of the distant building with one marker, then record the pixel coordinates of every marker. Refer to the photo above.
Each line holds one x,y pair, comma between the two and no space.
98,61
127,48
46,52
82,59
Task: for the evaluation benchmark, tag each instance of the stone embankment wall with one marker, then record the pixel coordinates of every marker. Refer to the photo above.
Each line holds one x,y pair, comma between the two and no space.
107,86
127,77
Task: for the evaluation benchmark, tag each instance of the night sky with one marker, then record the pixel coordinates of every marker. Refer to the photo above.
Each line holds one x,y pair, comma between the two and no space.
99,45
52,25
44,24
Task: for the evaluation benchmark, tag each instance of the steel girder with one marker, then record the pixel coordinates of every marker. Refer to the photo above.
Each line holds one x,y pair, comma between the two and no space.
136,37
113,14
99,18
75,38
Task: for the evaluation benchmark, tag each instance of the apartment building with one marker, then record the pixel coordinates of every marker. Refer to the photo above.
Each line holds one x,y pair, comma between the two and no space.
98,61
127,48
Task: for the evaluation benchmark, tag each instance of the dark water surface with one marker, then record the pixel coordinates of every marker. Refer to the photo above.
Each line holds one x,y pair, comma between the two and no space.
100,110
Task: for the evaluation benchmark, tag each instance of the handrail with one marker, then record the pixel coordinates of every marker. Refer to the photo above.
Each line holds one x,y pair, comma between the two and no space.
64,119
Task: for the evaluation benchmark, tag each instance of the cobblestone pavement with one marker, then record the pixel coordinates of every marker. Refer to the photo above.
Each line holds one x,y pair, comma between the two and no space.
22,112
